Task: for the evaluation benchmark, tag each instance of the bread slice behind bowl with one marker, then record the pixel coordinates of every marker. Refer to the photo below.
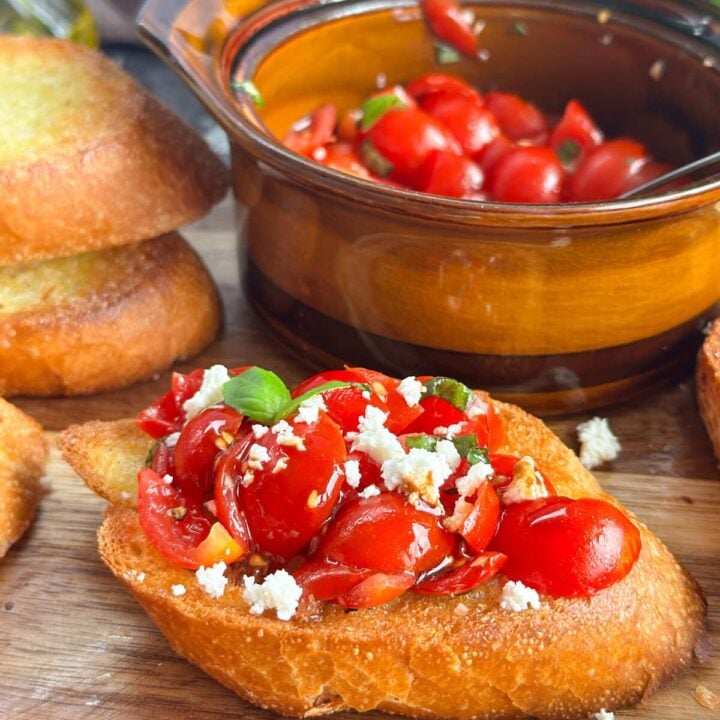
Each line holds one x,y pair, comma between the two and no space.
444,657
88,159
103,319
23,453
708,384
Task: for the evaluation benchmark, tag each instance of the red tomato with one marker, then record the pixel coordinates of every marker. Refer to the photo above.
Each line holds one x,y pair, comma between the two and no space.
163,460
468,120
465,578
491,156
517,118
190,541
607,171
199,444
321,378
567,548
406,138
504,465
576,126
284,509
319,132
325,581
649,170
342,157
438,82
497,436
378,589
369,470
386,534
436,413
347,129
528,175
453,176
447,21
166,415
480,525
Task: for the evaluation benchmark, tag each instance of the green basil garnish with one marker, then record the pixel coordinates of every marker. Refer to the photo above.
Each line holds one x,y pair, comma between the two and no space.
422,442
248,88
374,108
568,151
450,390
446,54
518,28
372,157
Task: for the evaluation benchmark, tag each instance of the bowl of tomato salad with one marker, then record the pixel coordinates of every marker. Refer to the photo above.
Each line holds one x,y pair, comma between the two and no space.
413,197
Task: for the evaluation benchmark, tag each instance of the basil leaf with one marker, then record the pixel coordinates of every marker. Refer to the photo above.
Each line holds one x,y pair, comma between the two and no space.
446,54
422,442
450,390
477,455
374,108
248,88
372,157
258,394
568,151
295,403
518,28
467,447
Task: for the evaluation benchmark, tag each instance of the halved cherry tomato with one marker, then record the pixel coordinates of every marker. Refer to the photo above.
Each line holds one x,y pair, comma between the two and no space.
517,118
447,21
453,176
378,589
199,444
342,157
576,126
386,534
284,508
565,547
493,153
163,460
369,469
321,378
480,525
436,413
438,82
528,175
326,580
465,578
192,539
503,465
319,132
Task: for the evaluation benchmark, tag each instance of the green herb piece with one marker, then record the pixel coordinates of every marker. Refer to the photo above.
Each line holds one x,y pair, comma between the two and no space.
422,442
568,151
248,88
178,513
258,394
450,390
478,455
374,159
518,28
446,54
467,447
374,108
151,454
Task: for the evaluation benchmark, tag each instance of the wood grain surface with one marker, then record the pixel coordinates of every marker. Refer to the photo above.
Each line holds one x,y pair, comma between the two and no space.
74,644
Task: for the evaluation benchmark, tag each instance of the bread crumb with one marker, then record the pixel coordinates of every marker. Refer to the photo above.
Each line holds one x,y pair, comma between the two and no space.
706,698
178,590
461,610
598,443
212,580
603,715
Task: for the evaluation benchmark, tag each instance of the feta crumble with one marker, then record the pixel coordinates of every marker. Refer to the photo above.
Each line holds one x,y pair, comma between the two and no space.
476,476
603,715
374,439
167,479
462,509
280,465
212,580
172,439
258,455
477,406
419,475
309,410
518,597
448,452
598,444
450,431
527,483
411,390
286,436
352,473
210,391
278,592
259,431
369,491
178,590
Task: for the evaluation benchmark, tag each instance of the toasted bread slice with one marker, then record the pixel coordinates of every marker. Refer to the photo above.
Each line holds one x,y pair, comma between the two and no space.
87,158
103,319
708,384
441,657
23,452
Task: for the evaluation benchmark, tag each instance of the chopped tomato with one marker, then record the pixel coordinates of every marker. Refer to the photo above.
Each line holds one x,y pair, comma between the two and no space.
460,580
378,589
503,465
481,522
576,126
528,175
565,547
447,20
319,132
166,415
326,581
369,469
453,176
493,153
342,156
439,83
517,118
163,460
436,413
347,130
321,378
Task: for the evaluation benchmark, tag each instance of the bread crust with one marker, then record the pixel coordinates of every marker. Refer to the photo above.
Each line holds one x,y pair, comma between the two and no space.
137,171
708,384
145,306
23,453
441,657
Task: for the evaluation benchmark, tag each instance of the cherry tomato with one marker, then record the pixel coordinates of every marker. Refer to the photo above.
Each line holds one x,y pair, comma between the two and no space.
386,534
348,124
283,508
321,378
163,460
518,119
178,529
342,157
649,170
493,153
370,471
436,413
406,138
378,589
453,176
576,126
567,548
437,82
528,175
465,578
199,443
326,581
446,20
319,132
472,124
480,525
606,171
166,415
503,465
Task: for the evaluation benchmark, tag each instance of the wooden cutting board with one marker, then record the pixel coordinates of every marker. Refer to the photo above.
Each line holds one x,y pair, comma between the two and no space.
74,644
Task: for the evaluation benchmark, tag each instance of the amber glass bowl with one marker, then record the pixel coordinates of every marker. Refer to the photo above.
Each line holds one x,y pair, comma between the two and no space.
560,307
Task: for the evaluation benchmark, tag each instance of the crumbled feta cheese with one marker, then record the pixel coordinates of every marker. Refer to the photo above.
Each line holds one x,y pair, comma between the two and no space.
286,436
477,406
598,444
212,580
476,476
171,440
419,475
259,431
369,491
603,715
448,452
210,391
124,495
309,409
527,483
248,478
258,455
278,591
462,509
178,590
280,465
352,473
374,438
366,395
518,597
167,479
411,389
450,431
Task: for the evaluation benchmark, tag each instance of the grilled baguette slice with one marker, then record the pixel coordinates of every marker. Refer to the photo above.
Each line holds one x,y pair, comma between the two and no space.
443,657
87,158
103,319
23,452
708,384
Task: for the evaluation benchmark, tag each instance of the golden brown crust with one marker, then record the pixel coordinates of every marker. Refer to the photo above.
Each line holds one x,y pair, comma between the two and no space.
23,452
708,384
107,164
420,656
130,312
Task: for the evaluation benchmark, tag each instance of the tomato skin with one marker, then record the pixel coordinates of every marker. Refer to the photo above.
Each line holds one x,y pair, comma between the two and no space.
503,465
607,171
465,578
319,132
528,175
436,413
480,525
493,153
446,20
342,157
577,126
386,534
377,589
453,176
517,118
326,581
277,507
166,415
321,378
565,547
438,82
406,138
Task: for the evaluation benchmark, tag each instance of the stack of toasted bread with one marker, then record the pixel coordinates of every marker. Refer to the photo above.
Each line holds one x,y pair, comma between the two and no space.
96,290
